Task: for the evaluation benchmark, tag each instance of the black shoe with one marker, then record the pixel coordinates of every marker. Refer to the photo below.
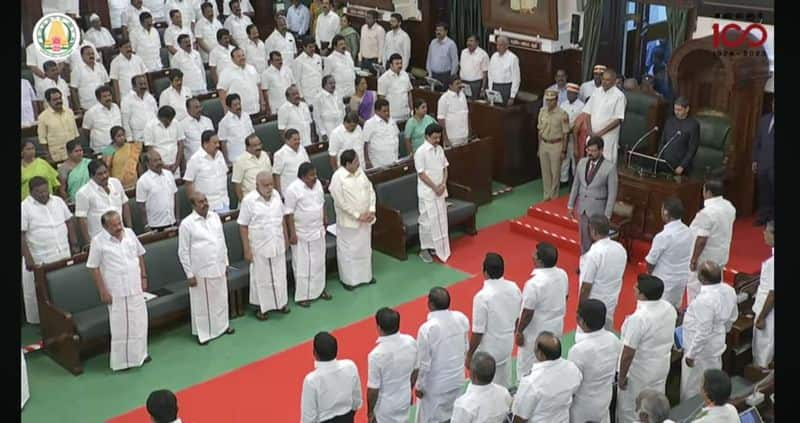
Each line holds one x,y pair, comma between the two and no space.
372,281
230,331
285,309
147,359
346,286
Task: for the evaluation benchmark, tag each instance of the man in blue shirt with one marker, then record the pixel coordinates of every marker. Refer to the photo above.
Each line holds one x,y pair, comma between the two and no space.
298,18
442,61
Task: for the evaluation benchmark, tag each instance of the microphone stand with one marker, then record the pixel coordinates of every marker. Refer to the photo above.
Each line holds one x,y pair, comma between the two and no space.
639,141
673,138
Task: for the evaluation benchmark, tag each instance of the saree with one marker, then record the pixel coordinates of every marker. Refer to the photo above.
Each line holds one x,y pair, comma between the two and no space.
351,38
125,162
38,167
367,107
77,178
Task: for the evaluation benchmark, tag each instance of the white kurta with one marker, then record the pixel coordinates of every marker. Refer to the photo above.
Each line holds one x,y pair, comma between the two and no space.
123,70
715,222
340,139
233,129
353,195
390,365
244,81
573,110
283,44
494,314
587,89
176,99
328,113
206,31
137,112
209,176
157,192
482,403
25,395
546,294
342,67
147,44
308,73
452,108
595,354
397,41
395,87
433,228
604,266
764,339
327,26
297,117
237,25
308,255
671,252
545,394
603,107
194,72
99,120
275,82
332,389
86,80
256,55
220,58
164,139
286,163
92,201
381,141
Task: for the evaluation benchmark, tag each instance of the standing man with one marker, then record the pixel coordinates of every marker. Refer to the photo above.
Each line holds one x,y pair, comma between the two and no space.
392,370
124,67
299,18
680,138
308,71
474,67
573,106
595,354
192,127
372,38
237,22
283,42
156,195
453,115
206,172
234,128
165,136
295,114
288,159
588,87
220,56
397,41
713,230
244,80
395,85
204,257
647,339
264,246
146,42
100,118
442,61
764,306
53,79
175,29
56,126
176,94
250,164
138,108
86,78
274,82
329,109
602,268
101,194
320,403
483,401
254,50
380,137
119,274
188,60
346,136
205,30
764,166
503,74
606,110
560,86
327,27
553,129
442,342
431,165
544,303
671,251
494,317
304,205
594,188
340,65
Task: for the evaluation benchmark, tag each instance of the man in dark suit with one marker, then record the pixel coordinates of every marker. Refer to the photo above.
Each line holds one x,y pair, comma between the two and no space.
764,167
680,138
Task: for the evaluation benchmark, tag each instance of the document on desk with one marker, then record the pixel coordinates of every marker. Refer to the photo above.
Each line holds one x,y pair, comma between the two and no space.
331,229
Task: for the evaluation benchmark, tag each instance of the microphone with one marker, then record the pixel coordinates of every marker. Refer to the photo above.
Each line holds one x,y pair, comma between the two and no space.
639,141
667,144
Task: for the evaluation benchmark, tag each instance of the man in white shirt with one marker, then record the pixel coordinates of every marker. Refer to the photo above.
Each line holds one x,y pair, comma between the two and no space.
189,62
157,8
494,316
706,323
544,303
205,30
254,50
647,339
193,126
328,110
298,18
652,406
380,136
442,343
162,406
453,114
395,86
124,67
264,246
340,65
53,79
100,118
764,306
370,51
483,401
252,162
245,5
474,67
308,71
28,114
189,12
156,194
164,134
146,42
397,41
234,127
392,370
287,160
130,17
573,106
176,94
712,227
48,235
560,86
236,22
320,403
204,258
99,36
602,268
173,31
606,109
281,41
354,202
595,354
242,79
545,394
294,114
431,165
119,274
206,172
588,88
274,81
503,73
138,108
220,56
326,27
34,60
85,78
671,251
716,392
346,136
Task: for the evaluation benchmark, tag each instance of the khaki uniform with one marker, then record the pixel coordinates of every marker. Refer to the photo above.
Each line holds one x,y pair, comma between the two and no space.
553,126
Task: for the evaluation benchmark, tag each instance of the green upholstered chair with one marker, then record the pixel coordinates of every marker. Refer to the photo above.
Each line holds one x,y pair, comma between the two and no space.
642,112
715,129
234,200
239,275
27,74
321,162
160,84
269,135
184,205
136,217
164,53
330,240
212,109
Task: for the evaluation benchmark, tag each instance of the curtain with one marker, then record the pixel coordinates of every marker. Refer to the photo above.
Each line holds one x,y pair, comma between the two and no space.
677,26
466,20
592,21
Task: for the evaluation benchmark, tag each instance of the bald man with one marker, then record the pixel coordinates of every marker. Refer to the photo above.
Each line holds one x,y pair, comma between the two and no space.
606,109
504,74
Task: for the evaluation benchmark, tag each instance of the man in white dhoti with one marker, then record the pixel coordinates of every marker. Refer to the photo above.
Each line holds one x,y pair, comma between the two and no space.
670,252
117,265
494,317
483,401
204,257
48,235
764,306
442,343
354,202
264,246
431,165
606,107
602,268
304,206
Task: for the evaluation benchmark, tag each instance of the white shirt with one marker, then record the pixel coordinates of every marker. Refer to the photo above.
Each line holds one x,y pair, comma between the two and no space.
603,107
187,11
284,44
201,246
255,54
220,58
352,195
573,109
275,82
194,72
328,113
157,8
340,140
650,330
264,221
209,176
343,69
233,130
86,80
371,41
157,192
137,112
286,162
395,87
60,84
381,138
130,18
27,97
123,70
390,365
36,59
442,343
718,414
91,201
671,252
326,28
715,221
118,261
296,117
504,69
198,11
147,44
98,120
430,159
495,309
244,4
100,38
595,354
545,394
75,58
546,294
192,132
243,81
237,25
482,404
452,107
707,320
473,65
171,35
116,9
59,6
177,100
397,41
331,389
164,139
306,204
765,285
308,72
587,89
45,228
206,31
603,266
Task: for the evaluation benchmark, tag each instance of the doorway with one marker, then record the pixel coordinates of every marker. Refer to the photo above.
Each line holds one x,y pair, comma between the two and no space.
645,44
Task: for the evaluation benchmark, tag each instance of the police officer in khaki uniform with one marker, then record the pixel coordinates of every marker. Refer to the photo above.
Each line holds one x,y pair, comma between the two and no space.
553,130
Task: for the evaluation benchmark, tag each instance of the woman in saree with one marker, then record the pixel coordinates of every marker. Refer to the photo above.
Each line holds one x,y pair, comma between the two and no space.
363,101
122,158
35,166
74,172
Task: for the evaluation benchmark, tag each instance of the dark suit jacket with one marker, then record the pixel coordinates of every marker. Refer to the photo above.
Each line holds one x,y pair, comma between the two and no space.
764,144
682,149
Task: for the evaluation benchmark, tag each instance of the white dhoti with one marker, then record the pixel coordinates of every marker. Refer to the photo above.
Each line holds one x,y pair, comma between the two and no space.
591,409
673,292
24,372
569,162
502,373
268,282
209,306
692,288
29,296
525,359
354,254
610,145
308,264
764,342
128,321
691,377
626,399
433,229
436,407
455,142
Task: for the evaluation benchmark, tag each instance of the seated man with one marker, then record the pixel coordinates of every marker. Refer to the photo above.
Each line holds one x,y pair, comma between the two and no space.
679,139
483,401
716,391
97,35
162,406
320,403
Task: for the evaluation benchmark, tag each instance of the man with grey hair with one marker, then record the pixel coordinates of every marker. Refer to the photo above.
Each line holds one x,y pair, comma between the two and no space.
652,407
483,400
504,74
606,109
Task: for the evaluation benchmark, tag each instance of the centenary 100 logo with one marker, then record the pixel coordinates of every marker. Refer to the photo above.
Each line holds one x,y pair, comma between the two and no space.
56,35
739,38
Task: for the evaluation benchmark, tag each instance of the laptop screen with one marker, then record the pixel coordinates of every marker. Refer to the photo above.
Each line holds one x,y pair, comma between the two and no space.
750,415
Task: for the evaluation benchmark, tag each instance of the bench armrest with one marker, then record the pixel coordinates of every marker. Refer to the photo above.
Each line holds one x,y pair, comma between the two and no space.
460,192
389,232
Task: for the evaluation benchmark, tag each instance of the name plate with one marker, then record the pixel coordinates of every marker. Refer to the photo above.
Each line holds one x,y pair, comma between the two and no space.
525,44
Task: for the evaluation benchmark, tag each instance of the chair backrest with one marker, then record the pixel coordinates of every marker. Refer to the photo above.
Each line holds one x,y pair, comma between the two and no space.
322,163
330,211
164,53
269,135
136,217
640,116
71,288
184,205
715,128
233,240
234,200
401,145
212,109
27,74
159,85
399,194
163,264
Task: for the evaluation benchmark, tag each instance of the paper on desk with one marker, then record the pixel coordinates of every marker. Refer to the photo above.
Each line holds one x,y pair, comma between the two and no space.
331,229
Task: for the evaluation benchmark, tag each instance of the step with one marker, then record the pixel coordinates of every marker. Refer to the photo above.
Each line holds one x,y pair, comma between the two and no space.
547,232
561,218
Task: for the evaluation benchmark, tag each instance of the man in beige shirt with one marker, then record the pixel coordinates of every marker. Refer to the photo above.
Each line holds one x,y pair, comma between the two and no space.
56,125
553,128
372,38
252,162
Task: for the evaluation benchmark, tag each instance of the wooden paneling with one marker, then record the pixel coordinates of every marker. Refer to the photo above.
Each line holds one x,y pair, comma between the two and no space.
87,7
31,12
538,69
